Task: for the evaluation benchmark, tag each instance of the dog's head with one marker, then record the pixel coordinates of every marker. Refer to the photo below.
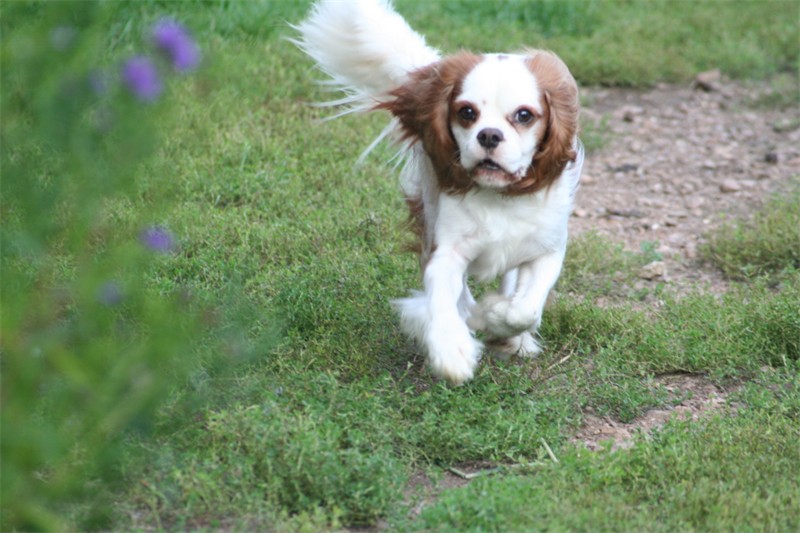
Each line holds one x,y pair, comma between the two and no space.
504,122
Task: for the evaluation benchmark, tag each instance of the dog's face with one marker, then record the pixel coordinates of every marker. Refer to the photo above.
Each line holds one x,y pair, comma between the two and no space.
504,122
497,121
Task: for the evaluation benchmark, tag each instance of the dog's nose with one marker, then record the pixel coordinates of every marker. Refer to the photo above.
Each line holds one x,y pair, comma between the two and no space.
490,137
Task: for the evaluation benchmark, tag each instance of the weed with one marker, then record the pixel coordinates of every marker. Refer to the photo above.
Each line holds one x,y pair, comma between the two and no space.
766,245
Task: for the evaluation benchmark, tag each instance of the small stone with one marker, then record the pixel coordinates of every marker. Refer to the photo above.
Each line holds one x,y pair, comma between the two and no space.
628,113
725,152
665,250
730,185
586,179
676,238
625,167
580,213
694,202
654,270
708,81
625,213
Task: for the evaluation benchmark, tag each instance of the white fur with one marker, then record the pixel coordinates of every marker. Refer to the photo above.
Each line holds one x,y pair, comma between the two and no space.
368,49
485,234
365,47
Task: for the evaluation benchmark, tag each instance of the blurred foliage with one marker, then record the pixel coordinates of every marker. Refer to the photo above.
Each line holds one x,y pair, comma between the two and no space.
89,350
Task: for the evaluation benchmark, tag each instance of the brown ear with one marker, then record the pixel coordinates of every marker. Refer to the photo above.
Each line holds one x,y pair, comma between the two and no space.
422,105
560,95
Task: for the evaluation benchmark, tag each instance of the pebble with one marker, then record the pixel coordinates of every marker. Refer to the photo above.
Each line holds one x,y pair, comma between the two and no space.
708,81
665,249
654,270
628,113
693,202
730,185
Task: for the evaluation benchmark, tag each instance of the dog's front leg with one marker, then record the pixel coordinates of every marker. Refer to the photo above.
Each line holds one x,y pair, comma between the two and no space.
512,318
432,317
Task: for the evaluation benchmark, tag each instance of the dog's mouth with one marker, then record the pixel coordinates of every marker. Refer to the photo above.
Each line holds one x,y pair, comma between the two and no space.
489,173
490,165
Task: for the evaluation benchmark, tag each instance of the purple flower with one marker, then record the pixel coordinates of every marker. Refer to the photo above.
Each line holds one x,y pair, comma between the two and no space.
158,239
174,40
110,294
141,76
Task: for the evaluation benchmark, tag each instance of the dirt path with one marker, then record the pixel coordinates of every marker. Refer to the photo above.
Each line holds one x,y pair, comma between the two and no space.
678,159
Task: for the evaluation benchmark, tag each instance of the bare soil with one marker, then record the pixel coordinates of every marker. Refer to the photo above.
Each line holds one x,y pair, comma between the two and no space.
697,397
679,160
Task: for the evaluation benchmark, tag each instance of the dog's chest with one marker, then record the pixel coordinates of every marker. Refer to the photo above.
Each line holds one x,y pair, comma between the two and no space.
497,233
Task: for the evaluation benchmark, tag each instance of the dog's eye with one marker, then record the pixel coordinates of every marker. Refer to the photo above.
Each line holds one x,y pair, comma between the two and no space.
467,114
524,116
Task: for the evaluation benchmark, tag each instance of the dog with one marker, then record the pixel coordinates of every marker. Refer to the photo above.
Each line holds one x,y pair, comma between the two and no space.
492,161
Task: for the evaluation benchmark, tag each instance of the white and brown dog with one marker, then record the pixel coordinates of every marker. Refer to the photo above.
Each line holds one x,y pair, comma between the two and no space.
492,164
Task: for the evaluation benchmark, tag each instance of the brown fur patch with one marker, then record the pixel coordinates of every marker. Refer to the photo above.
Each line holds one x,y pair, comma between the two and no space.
423,106
560,94
416,222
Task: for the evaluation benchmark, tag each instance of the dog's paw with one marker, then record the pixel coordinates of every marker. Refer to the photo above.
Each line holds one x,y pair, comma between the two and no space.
498,316
523,345
453,355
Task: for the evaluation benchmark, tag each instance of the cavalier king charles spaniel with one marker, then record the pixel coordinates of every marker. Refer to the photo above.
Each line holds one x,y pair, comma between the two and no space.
492,163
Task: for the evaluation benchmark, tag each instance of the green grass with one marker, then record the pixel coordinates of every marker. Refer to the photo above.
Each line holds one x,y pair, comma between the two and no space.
625,43
281,454
766,245
596,267
721,474
292,402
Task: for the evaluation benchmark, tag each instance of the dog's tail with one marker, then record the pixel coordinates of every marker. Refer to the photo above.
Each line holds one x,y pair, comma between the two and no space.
365,47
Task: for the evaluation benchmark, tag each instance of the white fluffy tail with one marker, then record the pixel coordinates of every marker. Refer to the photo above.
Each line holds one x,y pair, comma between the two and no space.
365,47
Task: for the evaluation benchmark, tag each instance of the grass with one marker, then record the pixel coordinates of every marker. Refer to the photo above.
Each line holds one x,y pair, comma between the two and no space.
625,43
766,245
722,473
594,266
301,406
